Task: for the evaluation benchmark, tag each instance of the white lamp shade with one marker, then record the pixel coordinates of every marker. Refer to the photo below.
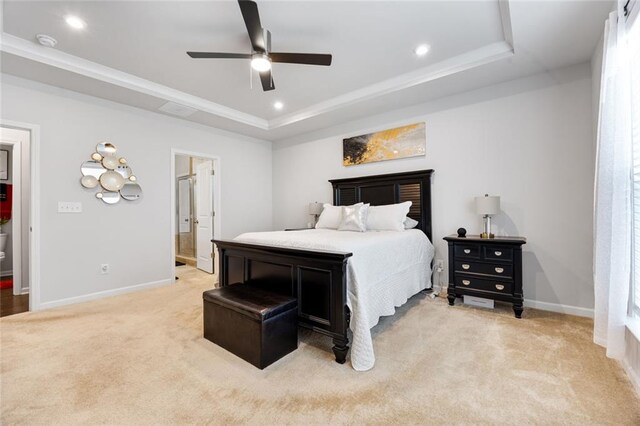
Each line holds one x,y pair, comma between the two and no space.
315,208
488,205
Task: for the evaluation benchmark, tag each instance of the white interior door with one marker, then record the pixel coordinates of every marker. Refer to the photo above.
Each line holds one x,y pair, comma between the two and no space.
204,221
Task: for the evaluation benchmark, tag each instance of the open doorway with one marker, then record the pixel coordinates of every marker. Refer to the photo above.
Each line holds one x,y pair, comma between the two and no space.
15,173
195,194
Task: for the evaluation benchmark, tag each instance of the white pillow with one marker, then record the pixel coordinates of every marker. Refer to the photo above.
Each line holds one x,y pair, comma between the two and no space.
354,218
410,223
388,218
331,216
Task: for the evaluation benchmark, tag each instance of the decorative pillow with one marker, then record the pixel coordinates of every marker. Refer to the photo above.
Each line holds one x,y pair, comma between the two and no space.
388,218
330,217
354,218
410,223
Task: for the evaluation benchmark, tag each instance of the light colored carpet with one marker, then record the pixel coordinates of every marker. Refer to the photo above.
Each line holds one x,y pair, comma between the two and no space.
141,359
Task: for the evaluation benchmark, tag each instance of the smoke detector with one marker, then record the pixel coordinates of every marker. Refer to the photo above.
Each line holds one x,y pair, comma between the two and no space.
46,41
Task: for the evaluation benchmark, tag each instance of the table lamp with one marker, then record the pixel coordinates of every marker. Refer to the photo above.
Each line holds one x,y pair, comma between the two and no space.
315,209
487,206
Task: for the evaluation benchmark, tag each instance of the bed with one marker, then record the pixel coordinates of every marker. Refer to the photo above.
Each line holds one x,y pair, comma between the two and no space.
343,279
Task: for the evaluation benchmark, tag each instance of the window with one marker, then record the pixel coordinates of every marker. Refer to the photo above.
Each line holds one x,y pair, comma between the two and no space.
633,43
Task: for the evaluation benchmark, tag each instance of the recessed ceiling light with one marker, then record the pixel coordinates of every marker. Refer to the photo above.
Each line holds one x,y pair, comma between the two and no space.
75,22
421,50
278,105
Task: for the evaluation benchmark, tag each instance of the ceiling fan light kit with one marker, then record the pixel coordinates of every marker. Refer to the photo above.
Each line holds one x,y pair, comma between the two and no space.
261,56
260,62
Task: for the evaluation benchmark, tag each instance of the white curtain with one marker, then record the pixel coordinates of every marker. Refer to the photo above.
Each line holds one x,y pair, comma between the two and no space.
613,204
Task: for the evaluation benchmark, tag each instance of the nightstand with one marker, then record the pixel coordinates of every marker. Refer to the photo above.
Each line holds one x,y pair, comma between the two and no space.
486,267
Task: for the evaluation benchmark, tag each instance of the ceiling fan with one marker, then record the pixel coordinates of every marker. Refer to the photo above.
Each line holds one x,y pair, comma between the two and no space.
262,56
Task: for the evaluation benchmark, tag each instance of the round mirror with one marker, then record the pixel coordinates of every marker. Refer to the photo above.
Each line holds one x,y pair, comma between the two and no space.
131,191
106,148
109,197
110,162
92,168
89,181
112,181
125,171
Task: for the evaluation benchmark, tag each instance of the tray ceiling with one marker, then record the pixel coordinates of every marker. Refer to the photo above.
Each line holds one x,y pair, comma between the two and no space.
140,48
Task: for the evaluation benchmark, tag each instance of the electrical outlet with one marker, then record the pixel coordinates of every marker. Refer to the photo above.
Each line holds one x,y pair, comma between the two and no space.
104,268
439,265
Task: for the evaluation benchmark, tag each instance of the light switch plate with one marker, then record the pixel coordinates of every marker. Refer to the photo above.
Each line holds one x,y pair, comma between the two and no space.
69,207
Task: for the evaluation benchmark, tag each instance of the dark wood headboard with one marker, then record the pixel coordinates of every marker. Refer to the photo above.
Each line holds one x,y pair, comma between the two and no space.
390,189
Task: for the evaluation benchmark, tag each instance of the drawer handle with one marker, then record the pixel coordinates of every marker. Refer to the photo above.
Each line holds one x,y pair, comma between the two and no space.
498,253
466,282
499,270
465,266
467,251
499,286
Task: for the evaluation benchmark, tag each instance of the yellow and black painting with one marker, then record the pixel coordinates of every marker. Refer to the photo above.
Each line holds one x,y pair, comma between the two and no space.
401,142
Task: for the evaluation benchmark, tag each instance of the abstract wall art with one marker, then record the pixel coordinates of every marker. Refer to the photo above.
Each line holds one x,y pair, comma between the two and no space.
401,142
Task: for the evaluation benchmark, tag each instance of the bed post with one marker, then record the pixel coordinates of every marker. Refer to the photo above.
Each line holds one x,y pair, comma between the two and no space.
341,342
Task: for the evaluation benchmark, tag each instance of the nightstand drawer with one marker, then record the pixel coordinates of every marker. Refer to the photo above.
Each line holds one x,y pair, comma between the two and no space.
484,268
498,253
495,286
467,251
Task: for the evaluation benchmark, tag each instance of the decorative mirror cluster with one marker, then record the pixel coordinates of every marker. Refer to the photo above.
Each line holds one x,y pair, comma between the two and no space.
111,174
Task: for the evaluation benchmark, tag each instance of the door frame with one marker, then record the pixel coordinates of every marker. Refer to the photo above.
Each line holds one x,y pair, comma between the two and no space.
34,207
217,205
16,212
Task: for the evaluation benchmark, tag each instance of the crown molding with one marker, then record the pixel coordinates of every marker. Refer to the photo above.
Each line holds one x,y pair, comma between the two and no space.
56,58
466,61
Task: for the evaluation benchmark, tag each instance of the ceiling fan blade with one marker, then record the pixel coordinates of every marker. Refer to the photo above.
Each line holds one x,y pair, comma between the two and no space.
301,58
251,18
214,55
267,81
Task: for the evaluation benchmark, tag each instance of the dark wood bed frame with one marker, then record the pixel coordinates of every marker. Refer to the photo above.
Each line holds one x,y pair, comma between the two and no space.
319,278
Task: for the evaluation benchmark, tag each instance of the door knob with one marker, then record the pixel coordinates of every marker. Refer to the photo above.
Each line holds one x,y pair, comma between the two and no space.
196,221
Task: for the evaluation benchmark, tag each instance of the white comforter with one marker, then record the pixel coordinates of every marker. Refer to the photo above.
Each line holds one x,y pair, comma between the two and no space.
387,268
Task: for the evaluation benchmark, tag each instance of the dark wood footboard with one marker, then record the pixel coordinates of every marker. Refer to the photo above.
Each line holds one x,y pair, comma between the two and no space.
317,278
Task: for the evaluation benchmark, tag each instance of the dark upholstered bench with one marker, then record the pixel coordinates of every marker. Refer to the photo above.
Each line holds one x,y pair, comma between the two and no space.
257,325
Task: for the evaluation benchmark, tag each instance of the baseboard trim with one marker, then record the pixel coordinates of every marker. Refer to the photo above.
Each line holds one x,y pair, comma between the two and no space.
632,374
101,294
556,307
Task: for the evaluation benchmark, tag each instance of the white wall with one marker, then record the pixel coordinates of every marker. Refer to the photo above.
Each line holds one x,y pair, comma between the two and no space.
529,141
133,237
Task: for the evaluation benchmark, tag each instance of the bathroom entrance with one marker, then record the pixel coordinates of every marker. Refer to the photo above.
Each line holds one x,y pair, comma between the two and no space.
194,207
15,171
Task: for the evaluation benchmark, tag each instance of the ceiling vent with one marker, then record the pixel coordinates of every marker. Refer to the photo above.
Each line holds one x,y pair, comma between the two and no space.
177,109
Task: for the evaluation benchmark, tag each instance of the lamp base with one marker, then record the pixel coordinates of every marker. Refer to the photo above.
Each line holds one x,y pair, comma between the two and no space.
486,232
